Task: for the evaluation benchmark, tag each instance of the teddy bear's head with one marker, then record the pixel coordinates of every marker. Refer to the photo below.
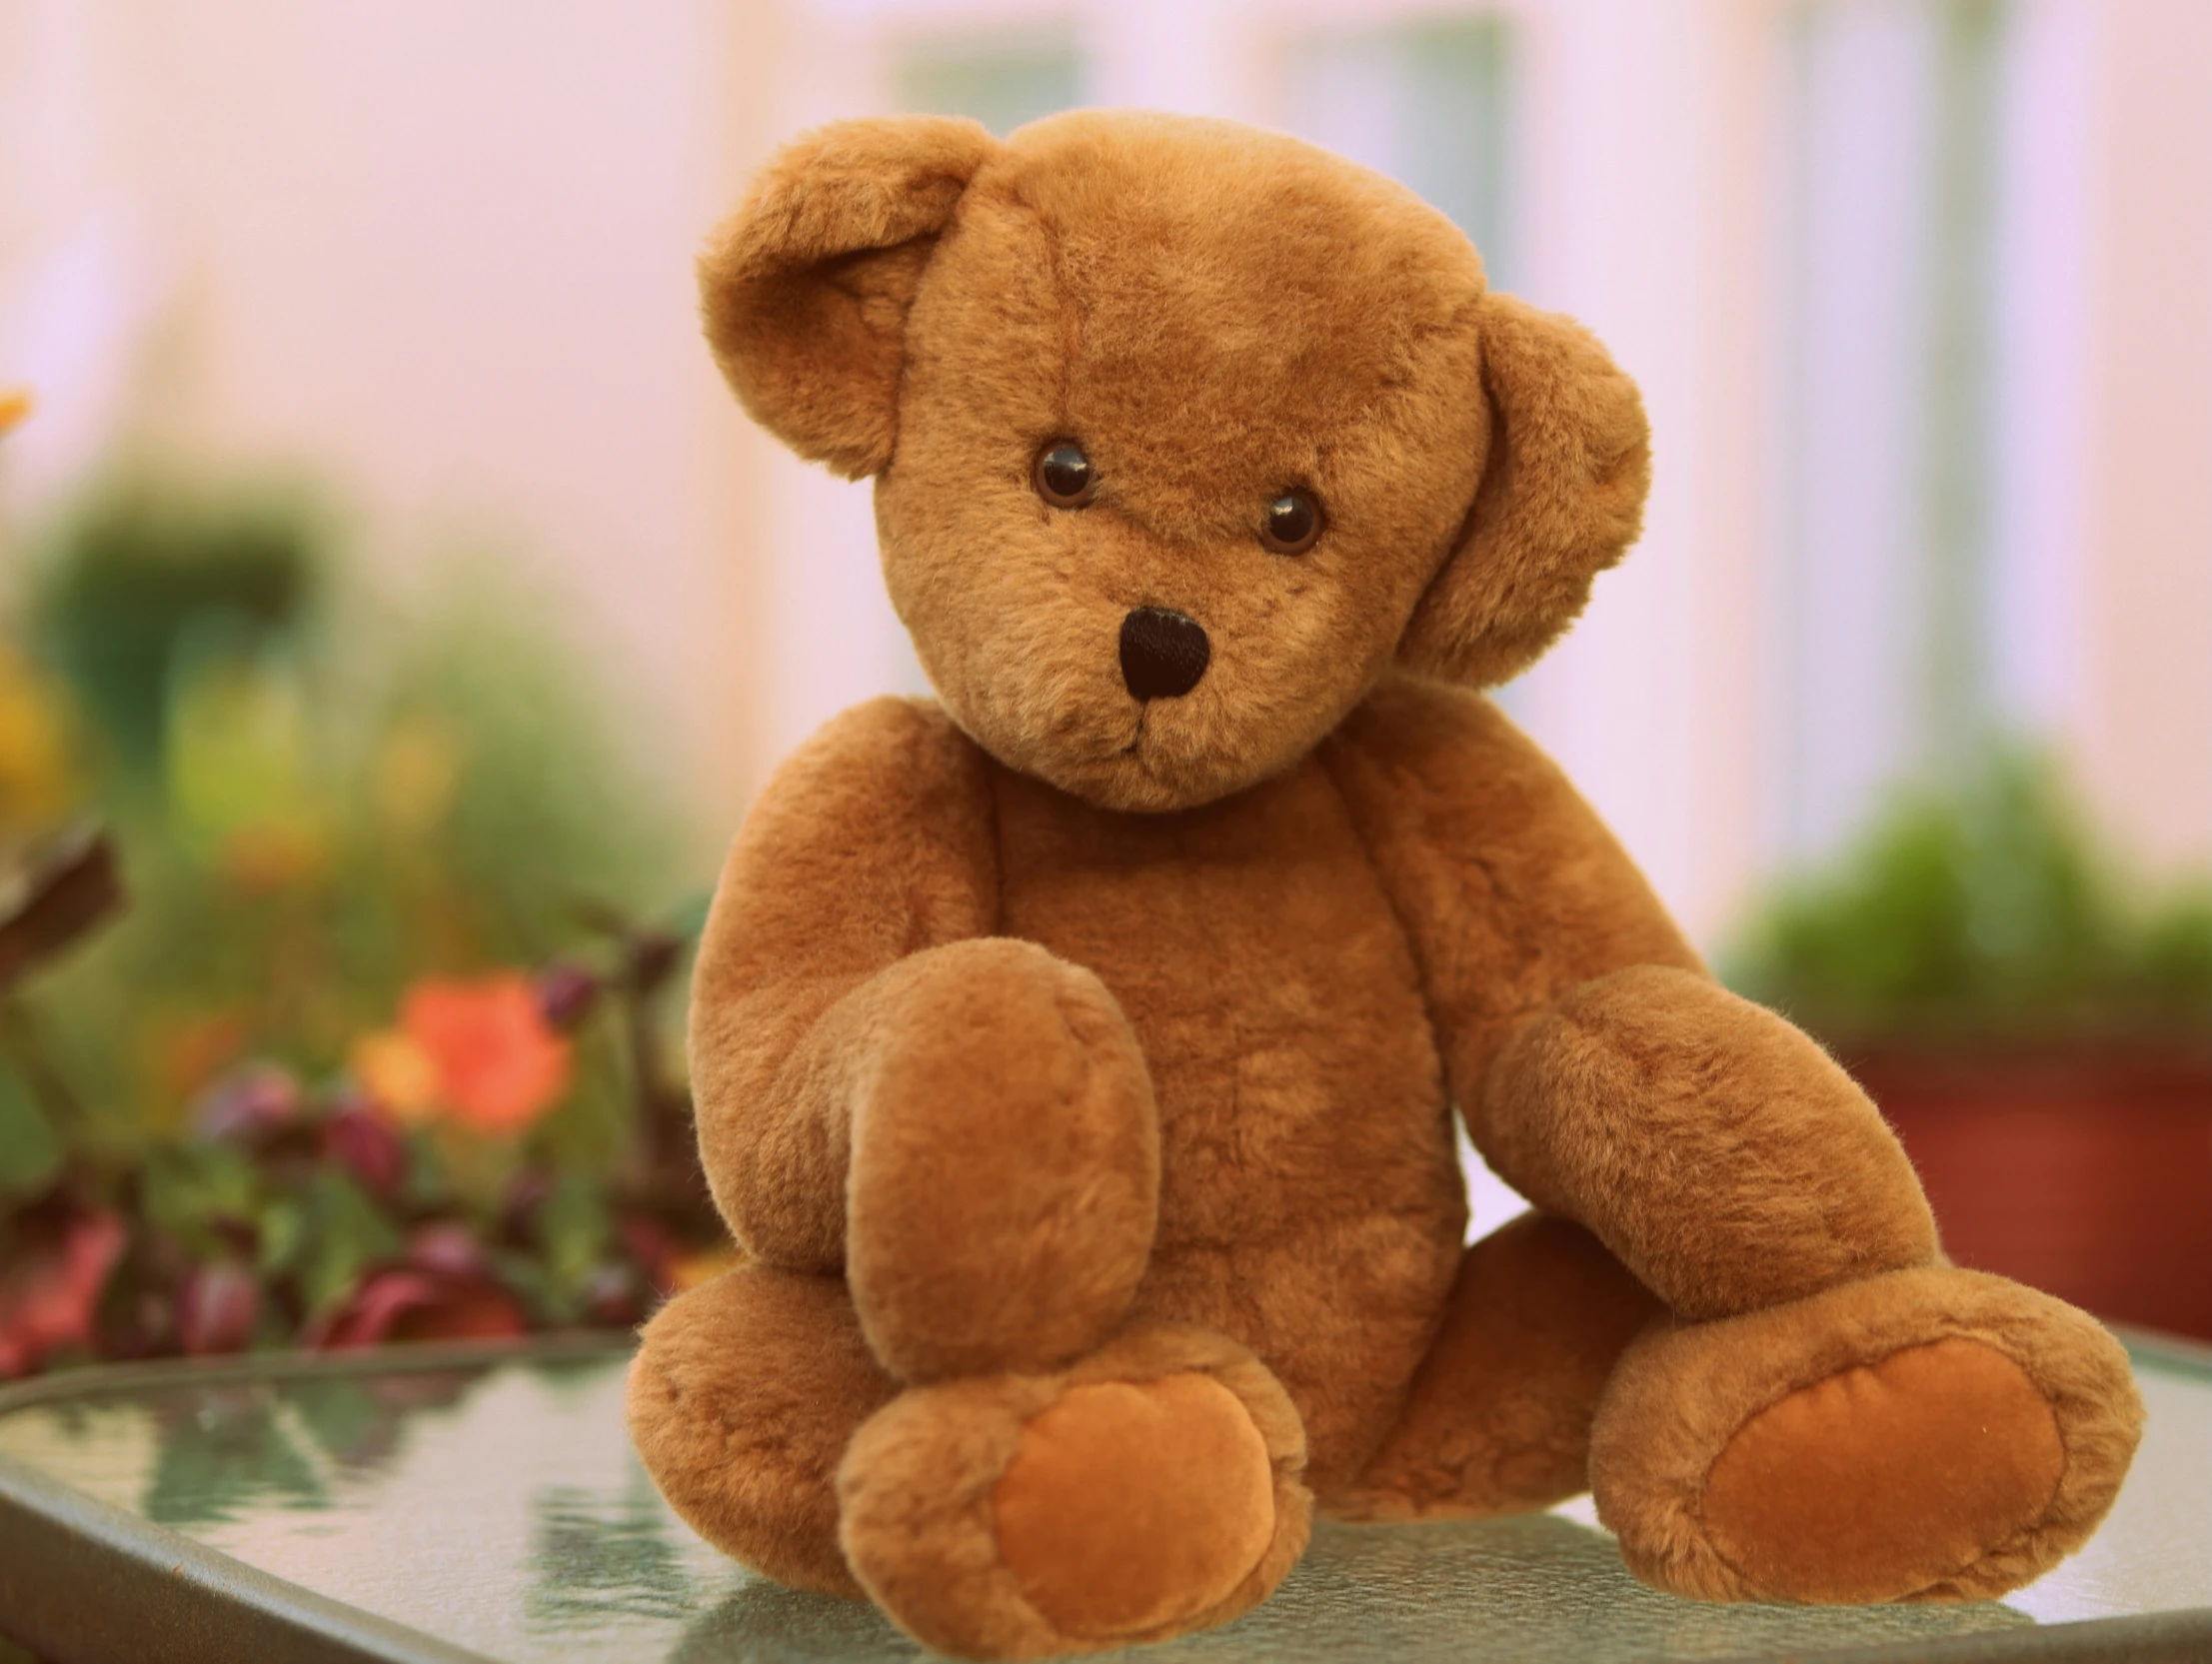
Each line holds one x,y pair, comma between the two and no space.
1182,433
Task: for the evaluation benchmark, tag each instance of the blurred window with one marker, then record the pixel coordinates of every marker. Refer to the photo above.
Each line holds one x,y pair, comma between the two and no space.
1429,102
1889,367
1001,80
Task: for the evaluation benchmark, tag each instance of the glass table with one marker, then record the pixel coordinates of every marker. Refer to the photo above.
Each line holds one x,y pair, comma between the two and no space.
472,1504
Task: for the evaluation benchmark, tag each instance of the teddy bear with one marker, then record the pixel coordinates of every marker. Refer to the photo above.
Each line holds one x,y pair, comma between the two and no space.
1078,1054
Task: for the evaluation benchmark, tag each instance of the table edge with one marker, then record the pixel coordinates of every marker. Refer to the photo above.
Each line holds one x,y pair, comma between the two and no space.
204,1605
2183,1636
97,1380
85,1582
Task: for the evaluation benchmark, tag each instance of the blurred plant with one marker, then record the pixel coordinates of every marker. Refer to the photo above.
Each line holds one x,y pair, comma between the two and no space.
307,1086
1988,911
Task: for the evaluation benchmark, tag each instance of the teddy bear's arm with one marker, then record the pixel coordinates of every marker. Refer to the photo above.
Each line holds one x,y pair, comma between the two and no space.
1714,1148
871,844
961,1122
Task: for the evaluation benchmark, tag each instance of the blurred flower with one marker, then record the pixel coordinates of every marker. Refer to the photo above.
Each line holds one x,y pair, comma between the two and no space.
138,1307
395,1070
279,853
615,1295
15,404
567,993
188,1054
650,1247
35,782
498,1065
411,1304
418,768
54,1261
363,1142
251,1100
216,1307
445,1245
691,1270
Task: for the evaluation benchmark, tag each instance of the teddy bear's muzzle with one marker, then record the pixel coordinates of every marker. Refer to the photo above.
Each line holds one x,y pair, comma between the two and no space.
1163,653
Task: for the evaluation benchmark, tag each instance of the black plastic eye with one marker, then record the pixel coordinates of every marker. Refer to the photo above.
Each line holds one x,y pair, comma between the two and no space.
1065,476
1293,524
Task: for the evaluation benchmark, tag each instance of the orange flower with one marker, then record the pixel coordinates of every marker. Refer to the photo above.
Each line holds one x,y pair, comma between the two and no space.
500,1066
398,1074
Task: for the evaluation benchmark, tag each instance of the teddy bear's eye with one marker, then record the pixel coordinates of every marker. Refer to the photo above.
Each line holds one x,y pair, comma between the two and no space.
1065,476
1292,524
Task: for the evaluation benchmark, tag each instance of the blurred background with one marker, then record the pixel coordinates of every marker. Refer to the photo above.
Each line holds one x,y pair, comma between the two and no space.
382,558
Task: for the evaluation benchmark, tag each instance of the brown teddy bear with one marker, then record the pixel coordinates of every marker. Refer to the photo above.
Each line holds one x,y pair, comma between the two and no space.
1076,1058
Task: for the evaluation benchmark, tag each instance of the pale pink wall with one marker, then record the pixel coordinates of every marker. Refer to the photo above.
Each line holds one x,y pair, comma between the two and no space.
2143,730
441,256
442,253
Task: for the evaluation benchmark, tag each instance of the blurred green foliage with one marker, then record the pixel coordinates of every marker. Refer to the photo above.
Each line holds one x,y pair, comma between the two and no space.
1988,911
318,801
376,1045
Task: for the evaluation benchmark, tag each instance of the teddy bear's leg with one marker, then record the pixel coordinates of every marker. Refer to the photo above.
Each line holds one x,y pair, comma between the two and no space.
744,1393
1834,1414
1926,1434
1498,1419
1151,1489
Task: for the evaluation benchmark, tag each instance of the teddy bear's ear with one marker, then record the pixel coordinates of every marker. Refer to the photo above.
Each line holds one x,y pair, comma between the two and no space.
804,289
1560,500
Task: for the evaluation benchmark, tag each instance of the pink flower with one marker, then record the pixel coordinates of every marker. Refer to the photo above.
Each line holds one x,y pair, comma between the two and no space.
51,1275
567,993
412,1303
216,1307
500,1064
251,1100
361,1141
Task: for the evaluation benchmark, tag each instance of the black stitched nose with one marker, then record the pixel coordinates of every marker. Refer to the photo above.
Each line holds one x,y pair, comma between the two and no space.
1162,653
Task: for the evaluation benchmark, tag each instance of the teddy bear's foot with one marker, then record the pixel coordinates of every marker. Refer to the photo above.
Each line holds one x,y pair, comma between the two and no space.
744,1393
1929,1434
1498,1419
1151,1489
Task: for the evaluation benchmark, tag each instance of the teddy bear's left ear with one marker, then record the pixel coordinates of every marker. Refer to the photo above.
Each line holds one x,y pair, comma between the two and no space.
804,289
1561,499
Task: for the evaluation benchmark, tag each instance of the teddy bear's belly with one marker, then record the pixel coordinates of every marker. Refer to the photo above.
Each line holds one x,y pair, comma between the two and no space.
1310,1200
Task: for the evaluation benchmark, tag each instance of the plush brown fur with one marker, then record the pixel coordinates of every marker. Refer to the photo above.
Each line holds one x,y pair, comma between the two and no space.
1709,1144
1079,1071
924,1484
1497,1417
1985,1509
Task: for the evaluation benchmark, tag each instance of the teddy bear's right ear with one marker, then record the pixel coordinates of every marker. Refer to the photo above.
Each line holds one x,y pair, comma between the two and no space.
804,289
1560,500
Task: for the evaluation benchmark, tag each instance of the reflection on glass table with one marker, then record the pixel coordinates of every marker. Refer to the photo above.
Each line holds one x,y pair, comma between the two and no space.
488,1505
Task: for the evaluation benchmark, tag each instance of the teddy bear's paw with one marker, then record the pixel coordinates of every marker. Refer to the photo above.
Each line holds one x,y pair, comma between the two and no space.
1932,1434
1148,1491
1857,1487
1130,1506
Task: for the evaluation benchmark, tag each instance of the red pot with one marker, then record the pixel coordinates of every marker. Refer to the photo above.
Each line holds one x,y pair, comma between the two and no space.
2083,1170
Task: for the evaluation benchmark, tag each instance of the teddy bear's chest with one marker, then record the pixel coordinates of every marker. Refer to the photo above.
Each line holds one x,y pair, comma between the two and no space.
1256,954
1310,1200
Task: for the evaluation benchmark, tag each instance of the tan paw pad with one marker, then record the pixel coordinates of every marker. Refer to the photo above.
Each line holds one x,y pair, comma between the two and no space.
1881,1480
1132,1505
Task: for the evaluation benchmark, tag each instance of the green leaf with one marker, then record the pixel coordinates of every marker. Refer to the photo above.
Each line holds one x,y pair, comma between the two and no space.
526,1279
283,1233
574,1227
30,1153
191,1187
347,1235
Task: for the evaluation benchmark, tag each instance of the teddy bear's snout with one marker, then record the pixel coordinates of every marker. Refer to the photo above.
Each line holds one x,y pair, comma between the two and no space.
1163,653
